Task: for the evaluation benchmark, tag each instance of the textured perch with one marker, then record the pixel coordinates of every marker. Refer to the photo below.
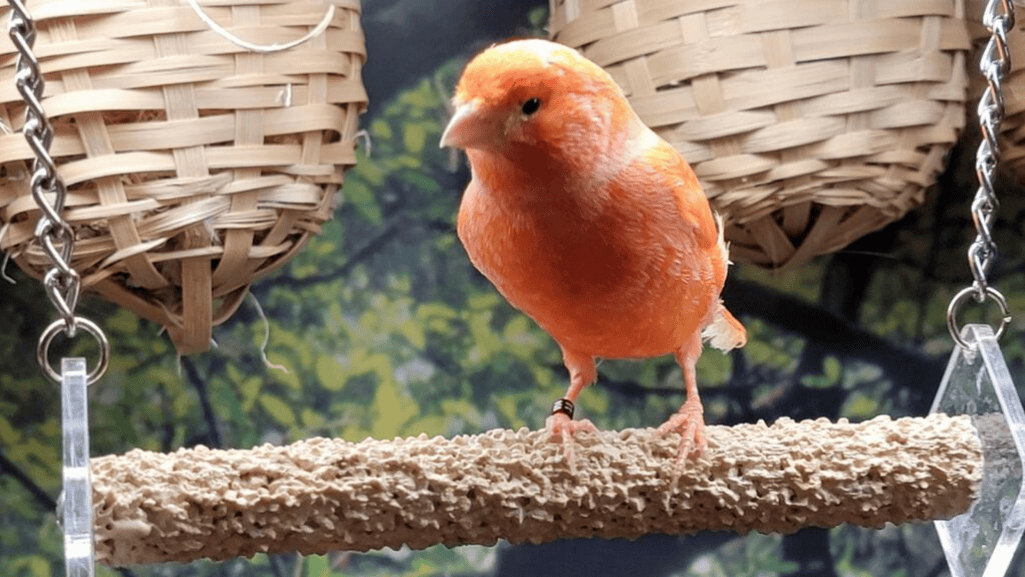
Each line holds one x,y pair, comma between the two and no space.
321,494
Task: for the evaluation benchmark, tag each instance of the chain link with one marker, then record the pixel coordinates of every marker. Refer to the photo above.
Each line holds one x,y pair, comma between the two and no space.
55,235
995,63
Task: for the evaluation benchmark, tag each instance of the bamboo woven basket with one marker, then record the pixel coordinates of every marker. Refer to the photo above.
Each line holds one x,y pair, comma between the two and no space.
1012,130
809,122
193,165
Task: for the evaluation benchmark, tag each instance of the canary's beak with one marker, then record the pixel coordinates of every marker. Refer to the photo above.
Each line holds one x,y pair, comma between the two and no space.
466,129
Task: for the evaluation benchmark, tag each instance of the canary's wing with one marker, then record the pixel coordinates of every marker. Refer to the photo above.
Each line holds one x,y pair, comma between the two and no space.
723,331
658,176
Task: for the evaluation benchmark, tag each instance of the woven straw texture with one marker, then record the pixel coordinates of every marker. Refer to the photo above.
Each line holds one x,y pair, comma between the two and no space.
810,122
193,165
1012,130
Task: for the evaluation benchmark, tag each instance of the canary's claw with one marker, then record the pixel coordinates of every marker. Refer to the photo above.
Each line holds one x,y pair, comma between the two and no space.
690,423
562,426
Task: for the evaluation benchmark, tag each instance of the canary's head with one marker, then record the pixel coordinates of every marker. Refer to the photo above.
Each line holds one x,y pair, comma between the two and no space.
536,96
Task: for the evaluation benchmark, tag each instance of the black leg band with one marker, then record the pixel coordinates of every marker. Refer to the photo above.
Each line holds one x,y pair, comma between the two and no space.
564,406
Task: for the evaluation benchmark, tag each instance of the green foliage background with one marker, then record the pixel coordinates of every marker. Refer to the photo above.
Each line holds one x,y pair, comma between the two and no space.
386,330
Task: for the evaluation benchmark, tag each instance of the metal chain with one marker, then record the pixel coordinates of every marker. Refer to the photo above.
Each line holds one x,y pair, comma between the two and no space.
55,235
994,65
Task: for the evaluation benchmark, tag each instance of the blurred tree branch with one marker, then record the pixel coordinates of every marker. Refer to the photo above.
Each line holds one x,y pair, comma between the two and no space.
371,247
213,435
909,369
42,498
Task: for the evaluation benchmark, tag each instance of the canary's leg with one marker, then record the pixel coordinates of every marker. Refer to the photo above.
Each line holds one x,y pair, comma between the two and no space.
689,421
560,423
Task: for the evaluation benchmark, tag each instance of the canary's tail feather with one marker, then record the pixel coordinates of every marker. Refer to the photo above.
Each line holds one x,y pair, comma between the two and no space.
724,332
724,247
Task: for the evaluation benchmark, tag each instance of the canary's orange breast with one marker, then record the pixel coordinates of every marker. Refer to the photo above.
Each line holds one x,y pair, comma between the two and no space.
623,267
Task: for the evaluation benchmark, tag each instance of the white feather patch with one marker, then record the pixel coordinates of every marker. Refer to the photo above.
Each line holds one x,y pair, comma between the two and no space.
639,140
720,333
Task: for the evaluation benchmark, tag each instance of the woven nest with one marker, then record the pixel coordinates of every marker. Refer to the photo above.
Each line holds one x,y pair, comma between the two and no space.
193,165
1012,130
810,122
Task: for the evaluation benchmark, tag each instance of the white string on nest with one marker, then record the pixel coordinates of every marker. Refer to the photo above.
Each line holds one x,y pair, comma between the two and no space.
262,48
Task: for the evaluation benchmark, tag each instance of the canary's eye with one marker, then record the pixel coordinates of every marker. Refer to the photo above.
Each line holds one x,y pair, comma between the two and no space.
531,106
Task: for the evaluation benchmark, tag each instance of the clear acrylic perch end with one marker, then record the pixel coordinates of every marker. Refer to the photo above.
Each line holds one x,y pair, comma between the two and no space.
981,542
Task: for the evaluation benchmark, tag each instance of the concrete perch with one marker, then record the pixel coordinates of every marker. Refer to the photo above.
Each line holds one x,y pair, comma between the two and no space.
320,495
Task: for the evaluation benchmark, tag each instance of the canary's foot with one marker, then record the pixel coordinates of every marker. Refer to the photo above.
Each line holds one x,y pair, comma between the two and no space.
563,426
690,423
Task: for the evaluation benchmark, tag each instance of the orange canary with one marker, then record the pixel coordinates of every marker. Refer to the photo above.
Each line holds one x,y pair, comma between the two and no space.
588,222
